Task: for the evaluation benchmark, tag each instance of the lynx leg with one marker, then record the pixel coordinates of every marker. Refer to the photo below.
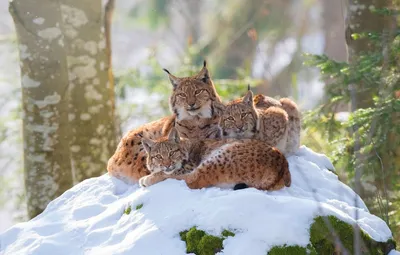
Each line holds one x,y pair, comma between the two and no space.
152,179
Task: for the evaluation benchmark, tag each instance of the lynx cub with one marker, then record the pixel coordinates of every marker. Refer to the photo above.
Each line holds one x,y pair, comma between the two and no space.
193,102
215,162
294,127
241,119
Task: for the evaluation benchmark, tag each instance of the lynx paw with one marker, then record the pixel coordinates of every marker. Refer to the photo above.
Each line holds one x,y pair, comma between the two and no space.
144,181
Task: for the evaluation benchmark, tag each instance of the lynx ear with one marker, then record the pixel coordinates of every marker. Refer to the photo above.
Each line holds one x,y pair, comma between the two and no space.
219,107
248,98
173,136
174,80
204,75
147,144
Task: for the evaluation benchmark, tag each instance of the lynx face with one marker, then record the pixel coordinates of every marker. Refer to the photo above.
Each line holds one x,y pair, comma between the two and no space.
239,118
193,96
165,155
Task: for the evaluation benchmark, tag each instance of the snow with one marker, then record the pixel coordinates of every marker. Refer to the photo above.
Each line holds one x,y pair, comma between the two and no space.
89,218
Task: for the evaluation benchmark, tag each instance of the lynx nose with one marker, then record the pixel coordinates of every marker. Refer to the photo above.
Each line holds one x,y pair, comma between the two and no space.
169,168
240,128
191,105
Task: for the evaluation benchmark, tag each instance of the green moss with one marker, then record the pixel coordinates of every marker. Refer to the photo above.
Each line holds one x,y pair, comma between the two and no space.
193,238
201,243
183,235
128,210
292,250
139,206
227,233
210,245
322,241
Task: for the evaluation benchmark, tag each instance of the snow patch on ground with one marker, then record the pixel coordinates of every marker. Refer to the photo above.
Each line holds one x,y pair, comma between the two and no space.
89,218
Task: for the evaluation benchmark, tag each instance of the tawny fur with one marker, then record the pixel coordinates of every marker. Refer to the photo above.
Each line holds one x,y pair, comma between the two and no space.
227,161
241,119
128,161
193,101
294,126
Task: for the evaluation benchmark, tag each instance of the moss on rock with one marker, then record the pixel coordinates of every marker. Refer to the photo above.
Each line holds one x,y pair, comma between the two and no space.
200,243
227,233
292,250
210,245
323,241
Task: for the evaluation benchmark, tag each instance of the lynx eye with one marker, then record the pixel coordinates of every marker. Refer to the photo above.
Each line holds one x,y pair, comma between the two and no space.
230,119
198,92
244,115
181,95
172,153
159,157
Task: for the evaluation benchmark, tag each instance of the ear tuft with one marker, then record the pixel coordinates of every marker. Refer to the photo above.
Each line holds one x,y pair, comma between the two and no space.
203,75
173,136
204,63
172,78
165,70
248,87
248,98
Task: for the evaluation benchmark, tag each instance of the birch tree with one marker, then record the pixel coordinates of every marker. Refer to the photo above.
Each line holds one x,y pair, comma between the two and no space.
68,106
91,102
44,79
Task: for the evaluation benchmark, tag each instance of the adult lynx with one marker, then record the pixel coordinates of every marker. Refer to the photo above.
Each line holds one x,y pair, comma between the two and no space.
215,162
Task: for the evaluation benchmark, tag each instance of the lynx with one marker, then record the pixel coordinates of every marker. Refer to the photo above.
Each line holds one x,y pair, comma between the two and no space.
215,162
241,119
193,101
294,126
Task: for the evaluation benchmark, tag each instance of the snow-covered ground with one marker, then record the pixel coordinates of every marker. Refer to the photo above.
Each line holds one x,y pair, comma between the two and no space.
89,218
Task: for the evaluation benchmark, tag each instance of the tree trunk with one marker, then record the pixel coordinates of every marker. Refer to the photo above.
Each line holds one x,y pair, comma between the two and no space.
91,101
45,107
335,44
359,19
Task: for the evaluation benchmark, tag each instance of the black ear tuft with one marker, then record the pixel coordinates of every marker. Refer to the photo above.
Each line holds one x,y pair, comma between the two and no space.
248,98
204,63
248,87
165,70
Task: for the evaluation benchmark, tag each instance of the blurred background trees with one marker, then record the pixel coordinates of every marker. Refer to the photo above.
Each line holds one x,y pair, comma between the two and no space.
260,42
67,101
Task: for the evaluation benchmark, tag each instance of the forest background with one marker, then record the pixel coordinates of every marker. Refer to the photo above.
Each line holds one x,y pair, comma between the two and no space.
91,70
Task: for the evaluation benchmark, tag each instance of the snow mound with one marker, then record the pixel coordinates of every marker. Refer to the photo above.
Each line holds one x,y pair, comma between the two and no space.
89,218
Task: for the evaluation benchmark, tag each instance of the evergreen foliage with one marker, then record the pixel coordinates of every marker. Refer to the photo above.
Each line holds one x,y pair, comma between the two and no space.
369,140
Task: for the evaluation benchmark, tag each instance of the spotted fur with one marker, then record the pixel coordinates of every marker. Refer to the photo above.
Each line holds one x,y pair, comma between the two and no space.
129,160
294,125
217,162
194,101
241,119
